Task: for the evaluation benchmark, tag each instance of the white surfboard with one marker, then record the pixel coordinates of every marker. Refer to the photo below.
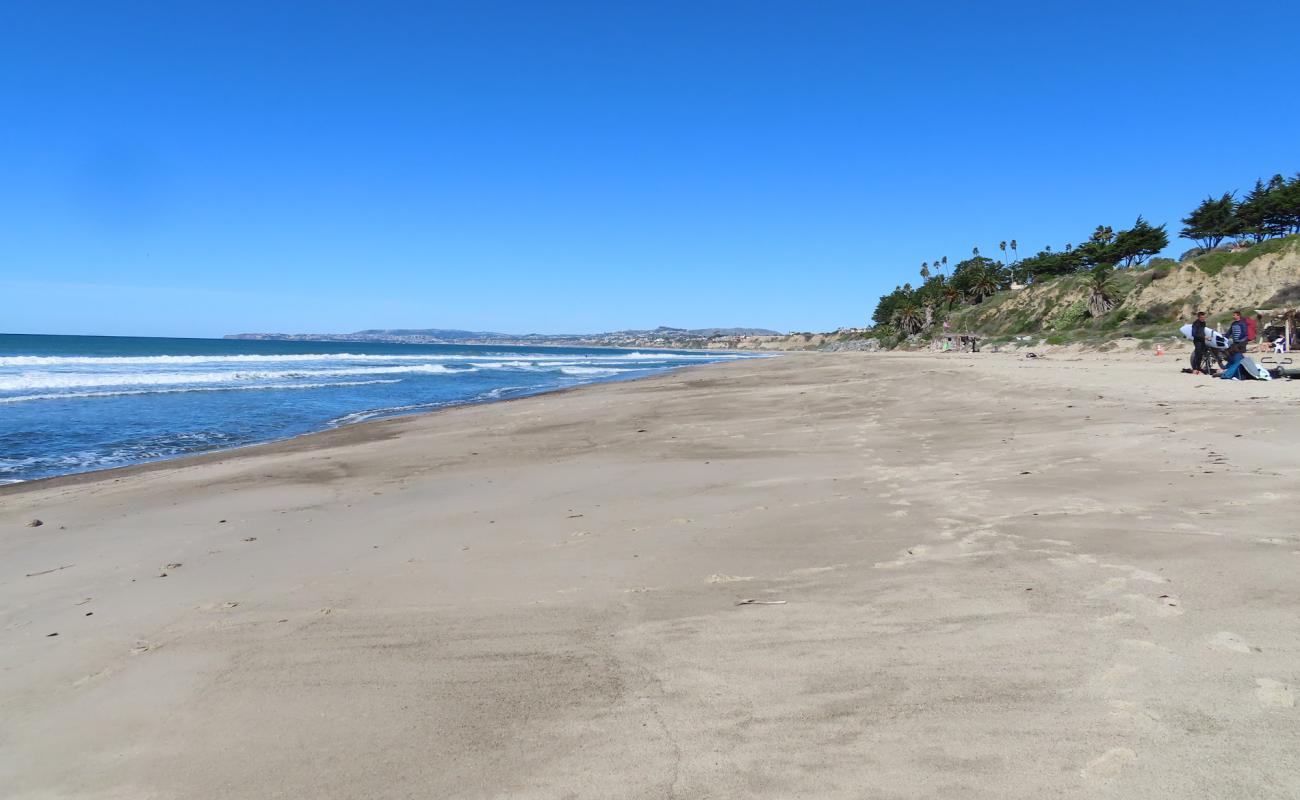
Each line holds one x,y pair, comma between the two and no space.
1212,337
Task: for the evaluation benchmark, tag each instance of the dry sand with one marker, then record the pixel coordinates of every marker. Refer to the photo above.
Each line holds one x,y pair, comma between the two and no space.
1003,578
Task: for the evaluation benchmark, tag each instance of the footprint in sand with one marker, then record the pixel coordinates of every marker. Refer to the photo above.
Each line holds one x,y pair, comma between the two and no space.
1108,764
1274,694
1138,717
1228,641
1166,605
1169,606
815,570
718,578
1110,587
1138,574
1118,673
909,556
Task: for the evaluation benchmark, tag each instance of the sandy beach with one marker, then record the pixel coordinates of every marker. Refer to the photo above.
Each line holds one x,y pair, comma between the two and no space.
980,577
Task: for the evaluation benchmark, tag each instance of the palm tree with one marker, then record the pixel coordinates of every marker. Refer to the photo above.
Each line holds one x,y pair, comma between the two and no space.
925,270
1003,247
975,252
950,296
1014,253
908,318
944,262
1101,290
984,283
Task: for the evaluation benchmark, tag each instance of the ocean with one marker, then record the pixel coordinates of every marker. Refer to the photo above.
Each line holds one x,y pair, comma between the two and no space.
78,403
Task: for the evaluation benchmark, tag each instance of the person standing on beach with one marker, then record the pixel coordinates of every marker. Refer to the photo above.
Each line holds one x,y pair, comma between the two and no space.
1240,333
1199,348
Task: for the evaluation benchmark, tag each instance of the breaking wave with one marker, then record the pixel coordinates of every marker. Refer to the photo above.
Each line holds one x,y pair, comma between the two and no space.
125,405
283,358
127,392
74,380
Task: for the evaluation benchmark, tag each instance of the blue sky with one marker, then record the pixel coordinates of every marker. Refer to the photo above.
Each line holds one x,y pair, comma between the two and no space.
196,169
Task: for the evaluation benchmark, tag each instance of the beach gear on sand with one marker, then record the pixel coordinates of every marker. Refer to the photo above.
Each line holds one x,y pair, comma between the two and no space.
1255,369
1243,366
1285,368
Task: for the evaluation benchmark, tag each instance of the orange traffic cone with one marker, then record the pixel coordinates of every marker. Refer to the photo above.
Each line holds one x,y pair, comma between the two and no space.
1160,350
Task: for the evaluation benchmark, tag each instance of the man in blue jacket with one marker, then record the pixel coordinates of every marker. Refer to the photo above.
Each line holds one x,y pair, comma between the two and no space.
1240,336
1239,333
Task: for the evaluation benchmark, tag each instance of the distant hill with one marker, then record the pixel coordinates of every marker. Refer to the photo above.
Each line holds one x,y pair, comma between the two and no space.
662,336
449,334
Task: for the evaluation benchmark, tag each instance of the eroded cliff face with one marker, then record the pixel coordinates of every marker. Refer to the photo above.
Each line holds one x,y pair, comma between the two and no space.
1247,286
1148,296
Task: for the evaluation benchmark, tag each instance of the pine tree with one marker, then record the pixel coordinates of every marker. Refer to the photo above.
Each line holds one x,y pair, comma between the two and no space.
1211,222
1099,249
1257,213
1284,215
1135,245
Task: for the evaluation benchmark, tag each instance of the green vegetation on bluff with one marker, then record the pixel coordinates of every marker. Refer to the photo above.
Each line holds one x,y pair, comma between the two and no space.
1101,284
1148,302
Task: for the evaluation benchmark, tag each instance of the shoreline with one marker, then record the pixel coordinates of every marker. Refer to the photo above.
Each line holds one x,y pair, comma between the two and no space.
226,452
978,577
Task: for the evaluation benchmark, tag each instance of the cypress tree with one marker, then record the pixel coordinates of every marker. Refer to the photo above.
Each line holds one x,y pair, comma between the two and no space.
1211,222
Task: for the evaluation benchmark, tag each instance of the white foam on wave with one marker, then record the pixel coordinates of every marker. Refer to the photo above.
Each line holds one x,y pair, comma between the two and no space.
393,411
256,387
569,367
155,361
289,358
677,356
73,380
590,371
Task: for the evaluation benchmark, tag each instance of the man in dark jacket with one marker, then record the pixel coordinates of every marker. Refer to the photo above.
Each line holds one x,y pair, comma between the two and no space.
1199,348
1239,333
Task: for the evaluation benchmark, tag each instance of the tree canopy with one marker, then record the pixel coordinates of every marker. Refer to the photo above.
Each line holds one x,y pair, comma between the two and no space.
1214,220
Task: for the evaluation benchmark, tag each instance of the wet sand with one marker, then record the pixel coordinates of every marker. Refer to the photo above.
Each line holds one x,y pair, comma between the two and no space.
1067,577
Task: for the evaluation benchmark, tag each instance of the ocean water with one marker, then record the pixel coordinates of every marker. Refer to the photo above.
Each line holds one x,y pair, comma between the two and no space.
77,403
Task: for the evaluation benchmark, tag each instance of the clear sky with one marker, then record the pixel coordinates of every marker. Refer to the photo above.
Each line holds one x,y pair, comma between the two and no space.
200,168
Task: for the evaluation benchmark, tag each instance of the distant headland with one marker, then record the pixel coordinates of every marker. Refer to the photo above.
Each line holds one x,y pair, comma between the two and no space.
662,336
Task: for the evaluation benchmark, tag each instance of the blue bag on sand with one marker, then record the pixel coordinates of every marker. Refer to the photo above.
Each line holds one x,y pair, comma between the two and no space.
1234,366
